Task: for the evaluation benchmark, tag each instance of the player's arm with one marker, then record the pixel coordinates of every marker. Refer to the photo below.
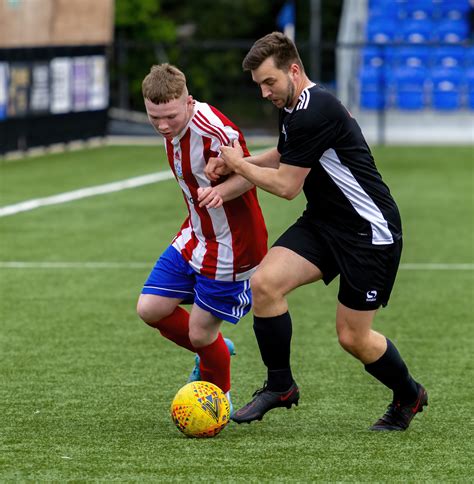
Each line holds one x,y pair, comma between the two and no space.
216,167
270,159
285,181
214,197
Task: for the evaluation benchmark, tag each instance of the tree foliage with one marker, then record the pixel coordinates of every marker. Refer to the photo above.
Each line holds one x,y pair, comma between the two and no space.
142,20
207,39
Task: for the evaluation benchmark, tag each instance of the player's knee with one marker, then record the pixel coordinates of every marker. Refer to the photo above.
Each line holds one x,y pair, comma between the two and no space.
351,341
346,341
262,287
149,312
144,312
199,339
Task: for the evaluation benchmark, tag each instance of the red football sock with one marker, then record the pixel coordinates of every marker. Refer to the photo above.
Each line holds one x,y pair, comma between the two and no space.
215,363
175,327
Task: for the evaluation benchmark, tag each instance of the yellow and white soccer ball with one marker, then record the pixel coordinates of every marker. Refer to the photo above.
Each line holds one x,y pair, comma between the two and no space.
200,409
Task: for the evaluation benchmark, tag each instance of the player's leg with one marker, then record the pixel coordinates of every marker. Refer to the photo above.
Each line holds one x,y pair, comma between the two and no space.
281,271
383,361
214,356
356,336
165,315
298,257
170,282
216,301
367,277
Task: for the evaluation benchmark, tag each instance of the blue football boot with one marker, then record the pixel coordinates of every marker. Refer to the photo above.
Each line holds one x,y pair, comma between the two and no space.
196,373
230,404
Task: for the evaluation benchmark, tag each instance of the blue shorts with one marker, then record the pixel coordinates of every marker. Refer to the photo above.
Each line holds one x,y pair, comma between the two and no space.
173,277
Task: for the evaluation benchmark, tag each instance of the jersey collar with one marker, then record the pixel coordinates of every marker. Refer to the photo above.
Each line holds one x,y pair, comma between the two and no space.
300,97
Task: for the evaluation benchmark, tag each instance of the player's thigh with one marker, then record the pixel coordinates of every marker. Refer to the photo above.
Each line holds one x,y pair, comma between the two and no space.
203,326
282,270
152,308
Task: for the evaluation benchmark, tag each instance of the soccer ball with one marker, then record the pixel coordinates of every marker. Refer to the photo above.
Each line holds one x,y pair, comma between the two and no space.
200,409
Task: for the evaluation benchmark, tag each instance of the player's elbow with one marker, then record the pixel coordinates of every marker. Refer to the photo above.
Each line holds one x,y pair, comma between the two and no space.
289,193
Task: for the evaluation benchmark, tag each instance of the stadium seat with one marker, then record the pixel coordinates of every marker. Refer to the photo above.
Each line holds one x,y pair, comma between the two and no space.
469,56
409,86
451,31
449,56
382,8
417,31
381,30
447,87
419,9
412,55
470,87
373,88
377,55
453,9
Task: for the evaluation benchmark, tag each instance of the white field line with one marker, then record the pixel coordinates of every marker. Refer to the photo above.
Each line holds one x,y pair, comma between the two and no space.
143,265
90,191
72,265
85,192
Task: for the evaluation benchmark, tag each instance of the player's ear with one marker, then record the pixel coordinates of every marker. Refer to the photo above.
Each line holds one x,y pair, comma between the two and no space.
294,71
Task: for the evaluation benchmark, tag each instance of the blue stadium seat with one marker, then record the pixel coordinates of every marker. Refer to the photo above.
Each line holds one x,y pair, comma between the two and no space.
417,31
447,87
381,30
449,56
469,56
470,87
410,87
451,31
377,55
453,9
373,88
420,9
412,55
382,8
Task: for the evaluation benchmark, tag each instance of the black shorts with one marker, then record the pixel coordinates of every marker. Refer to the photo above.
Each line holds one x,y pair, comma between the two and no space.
367,273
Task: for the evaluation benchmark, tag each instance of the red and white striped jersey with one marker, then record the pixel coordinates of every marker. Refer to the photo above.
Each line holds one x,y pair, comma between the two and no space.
225,243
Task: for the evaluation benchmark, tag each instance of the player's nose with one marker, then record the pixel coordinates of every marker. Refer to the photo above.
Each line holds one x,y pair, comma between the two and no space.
266,92
162,125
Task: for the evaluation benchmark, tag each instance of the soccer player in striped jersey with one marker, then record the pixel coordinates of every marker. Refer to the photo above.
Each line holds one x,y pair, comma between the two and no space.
220,244
351,227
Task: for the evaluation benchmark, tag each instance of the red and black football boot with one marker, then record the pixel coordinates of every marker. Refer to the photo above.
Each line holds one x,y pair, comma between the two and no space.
398,416
264,400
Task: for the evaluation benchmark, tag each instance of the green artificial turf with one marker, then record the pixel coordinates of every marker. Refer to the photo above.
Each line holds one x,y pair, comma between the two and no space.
85,386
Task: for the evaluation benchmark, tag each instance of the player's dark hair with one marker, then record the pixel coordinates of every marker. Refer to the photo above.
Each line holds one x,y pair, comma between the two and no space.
164,83
276,45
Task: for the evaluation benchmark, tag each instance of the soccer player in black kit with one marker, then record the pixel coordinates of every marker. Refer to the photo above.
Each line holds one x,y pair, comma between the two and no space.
351,227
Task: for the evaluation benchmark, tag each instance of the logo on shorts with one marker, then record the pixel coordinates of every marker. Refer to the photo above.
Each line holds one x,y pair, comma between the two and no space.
371,296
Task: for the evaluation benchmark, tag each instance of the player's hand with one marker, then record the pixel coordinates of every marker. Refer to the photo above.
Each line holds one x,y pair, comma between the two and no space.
215,168
209,197
232,155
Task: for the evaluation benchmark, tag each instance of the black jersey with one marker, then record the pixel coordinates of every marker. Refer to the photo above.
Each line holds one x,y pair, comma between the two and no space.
344,190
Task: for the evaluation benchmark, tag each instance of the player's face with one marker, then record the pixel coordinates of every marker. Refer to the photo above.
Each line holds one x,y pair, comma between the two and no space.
276,85
170,118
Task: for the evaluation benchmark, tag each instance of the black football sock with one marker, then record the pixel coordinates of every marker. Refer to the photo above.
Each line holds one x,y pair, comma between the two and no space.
274,340
391,370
